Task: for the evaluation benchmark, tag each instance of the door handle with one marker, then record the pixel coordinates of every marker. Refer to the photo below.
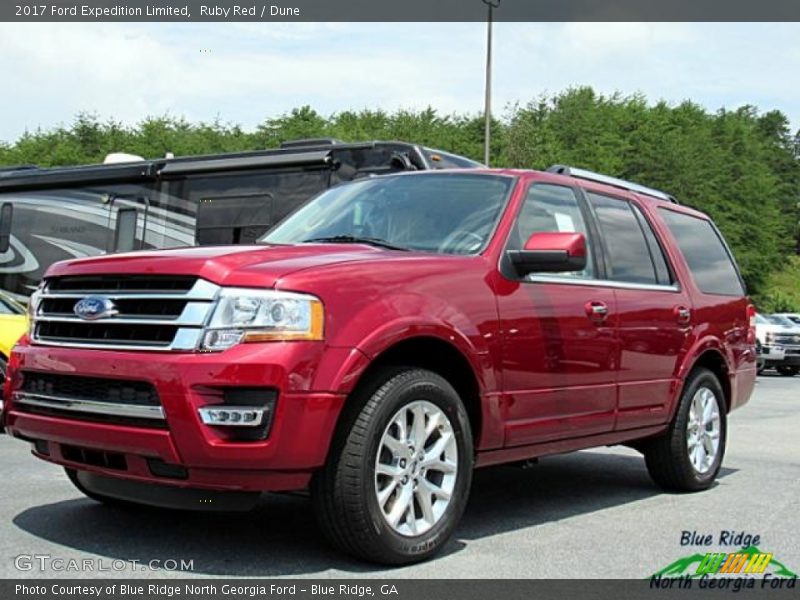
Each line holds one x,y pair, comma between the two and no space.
596,311
683,314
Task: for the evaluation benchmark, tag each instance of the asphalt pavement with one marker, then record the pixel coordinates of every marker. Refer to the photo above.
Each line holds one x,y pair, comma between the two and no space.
591,514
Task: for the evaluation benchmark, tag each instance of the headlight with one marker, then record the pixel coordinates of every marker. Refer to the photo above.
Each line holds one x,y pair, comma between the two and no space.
769,337
245,315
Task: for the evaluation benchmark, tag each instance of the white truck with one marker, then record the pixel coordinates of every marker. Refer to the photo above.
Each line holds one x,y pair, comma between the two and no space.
778,344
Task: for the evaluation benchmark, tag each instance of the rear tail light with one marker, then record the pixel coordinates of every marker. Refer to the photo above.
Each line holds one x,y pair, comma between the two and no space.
751,324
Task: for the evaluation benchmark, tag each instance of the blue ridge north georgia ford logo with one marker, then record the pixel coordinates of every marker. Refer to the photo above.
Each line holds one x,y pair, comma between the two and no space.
92,308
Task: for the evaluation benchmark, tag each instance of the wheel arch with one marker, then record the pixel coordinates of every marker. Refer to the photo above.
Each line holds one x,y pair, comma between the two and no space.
714,360
439,356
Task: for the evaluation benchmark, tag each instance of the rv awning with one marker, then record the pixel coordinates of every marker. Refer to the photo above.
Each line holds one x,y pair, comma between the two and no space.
289,159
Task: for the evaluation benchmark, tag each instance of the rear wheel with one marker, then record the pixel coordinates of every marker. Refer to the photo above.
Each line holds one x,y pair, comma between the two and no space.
688,456
398,476
788,371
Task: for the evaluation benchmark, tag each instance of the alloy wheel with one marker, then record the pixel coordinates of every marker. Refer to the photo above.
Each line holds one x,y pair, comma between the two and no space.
703,430
416,468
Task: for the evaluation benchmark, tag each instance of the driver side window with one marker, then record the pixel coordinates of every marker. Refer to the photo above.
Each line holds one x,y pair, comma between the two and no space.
553,208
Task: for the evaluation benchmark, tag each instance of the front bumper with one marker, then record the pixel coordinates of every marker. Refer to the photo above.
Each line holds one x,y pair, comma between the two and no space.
771,353
196,454
788,356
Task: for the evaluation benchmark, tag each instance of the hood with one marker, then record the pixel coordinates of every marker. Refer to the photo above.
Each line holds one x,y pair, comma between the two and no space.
257,266
775,328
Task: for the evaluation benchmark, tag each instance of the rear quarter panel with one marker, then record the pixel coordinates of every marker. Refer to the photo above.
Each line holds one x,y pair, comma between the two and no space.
719,323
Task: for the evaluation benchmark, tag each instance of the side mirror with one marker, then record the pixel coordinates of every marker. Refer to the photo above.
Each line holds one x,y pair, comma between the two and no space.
550,253
6,212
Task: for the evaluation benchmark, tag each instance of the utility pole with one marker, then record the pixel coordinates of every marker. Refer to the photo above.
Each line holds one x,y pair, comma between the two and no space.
487,109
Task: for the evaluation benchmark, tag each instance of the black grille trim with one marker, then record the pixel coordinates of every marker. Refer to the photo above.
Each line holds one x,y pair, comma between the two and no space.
106,333
94,458
99,284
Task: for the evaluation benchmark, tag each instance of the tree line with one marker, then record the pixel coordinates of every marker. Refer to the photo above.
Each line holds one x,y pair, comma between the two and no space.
741,166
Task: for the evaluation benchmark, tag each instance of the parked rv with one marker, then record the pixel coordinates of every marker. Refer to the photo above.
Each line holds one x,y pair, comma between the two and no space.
48,215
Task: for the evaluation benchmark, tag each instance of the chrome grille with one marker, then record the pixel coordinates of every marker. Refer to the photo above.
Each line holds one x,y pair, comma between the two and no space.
150,312
115,401
787,339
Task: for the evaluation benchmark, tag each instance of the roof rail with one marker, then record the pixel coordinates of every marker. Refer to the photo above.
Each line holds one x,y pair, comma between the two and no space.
613,181
310,142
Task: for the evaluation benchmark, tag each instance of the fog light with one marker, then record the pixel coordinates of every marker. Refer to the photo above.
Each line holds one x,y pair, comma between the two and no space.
232,416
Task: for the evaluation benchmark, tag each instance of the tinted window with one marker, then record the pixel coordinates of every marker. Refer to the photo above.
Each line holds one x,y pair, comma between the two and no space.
782,321
449,213
705,253
663,272
629,257
552,208
240,208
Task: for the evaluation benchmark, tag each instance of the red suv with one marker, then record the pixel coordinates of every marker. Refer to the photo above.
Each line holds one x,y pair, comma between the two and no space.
385,339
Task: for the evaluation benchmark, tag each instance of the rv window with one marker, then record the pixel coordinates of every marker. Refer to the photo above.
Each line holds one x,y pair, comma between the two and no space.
125,232
233,219
6,213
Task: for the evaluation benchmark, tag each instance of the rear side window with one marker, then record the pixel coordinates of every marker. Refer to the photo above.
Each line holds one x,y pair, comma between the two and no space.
663,272
708,259
631,257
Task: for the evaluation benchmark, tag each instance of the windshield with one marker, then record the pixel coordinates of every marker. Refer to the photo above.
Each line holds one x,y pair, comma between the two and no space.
778,320
448,213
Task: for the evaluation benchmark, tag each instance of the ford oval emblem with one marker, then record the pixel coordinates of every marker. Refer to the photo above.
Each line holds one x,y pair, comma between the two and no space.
93,308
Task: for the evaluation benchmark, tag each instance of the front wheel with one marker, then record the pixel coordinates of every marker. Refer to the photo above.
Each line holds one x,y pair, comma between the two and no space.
689,455
788,371
399,473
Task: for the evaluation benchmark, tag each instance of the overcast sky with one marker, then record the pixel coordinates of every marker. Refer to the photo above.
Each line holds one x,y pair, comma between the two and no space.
244,73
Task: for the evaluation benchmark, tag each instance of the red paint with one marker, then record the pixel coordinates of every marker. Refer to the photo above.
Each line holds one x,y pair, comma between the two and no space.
574,244
559,366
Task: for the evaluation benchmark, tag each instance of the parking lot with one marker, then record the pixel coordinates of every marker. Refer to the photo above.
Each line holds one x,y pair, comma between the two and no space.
593,514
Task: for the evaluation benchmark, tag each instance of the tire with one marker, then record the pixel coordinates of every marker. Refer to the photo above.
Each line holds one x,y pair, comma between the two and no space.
72,474
668,457
788,371
345,492
761,363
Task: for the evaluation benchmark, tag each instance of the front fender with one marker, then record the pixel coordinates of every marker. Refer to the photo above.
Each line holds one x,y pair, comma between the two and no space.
379,326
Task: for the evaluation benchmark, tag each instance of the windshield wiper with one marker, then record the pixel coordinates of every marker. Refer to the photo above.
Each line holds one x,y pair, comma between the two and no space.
354,239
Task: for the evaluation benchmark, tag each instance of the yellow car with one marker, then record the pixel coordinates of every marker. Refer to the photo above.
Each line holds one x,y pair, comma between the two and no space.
13,323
